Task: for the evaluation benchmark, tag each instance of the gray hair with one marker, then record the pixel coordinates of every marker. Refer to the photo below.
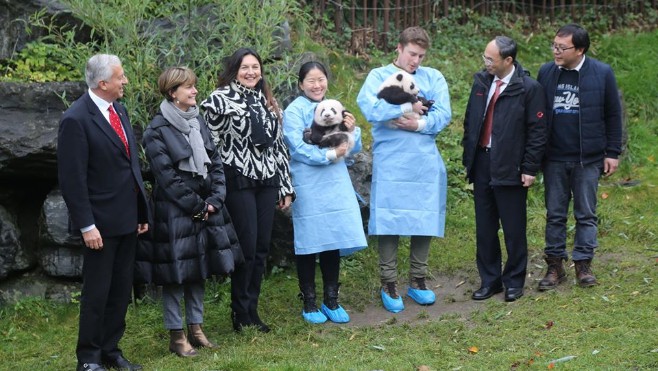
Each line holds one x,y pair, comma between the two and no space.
99,68
506,47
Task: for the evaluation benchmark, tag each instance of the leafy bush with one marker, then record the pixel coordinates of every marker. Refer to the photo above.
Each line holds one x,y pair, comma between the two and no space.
42,62
150,35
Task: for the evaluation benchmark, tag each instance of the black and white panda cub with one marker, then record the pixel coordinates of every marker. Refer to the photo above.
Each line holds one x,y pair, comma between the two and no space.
328,129
400,88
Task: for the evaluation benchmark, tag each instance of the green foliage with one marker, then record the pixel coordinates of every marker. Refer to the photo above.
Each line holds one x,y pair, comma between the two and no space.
41,62
151,35
54,57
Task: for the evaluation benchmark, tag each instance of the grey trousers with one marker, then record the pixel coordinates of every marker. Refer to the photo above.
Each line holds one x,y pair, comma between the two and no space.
193,294
388,257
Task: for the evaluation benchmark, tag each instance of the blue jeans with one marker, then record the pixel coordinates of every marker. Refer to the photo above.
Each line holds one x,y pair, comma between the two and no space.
192,294
564,180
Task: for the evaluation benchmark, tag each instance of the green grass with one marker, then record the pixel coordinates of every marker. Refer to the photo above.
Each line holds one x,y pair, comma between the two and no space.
610,326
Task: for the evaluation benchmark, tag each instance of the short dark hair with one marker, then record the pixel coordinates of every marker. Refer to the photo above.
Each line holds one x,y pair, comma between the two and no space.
506,47
415,35
579,36
308,67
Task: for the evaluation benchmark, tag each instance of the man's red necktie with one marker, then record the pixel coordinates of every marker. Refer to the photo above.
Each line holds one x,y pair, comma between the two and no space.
485,138
116,125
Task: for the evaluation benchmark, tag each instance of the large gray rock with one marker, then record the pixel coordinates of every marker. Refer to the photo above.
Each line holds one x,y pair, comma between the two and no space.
12,256
35,284
15,15
29,118
60,254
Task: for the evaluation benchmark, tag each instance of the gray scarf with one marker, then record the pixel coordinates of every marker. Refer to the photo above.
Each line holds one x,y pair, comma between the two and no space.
187,123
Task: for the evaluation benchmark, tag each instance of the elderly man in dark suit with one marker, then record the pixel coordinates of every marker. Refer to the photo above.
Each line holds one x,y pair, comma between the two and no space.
504,141
100,179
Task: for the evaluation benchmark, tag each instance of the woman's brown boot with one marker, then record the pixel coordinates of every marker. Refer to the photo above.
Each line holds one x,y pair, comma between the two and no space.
197,338
178,344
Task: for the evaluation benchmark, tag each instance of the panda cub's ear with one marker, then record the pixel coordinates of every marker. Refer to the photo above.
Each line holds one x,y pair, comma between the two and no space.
399,77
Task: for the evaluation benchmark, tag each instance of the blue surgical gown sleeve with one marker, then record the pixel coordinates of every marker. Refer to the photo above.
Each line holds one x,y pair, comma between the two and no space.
297,117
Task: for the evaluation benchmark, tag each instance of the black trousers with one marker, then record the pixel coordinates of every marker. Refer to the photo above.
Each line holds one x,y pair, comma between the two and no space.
107,279
496,205
329,266
252,212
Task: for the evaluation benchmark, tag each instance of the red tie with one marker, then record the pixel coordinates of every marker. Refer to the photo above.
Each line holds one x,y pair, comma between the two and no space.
485,138
116,125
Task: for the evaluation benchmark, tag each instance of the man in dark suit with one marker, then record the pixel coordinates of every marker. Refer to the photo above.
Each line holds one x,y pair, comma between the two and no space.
100,179
504,140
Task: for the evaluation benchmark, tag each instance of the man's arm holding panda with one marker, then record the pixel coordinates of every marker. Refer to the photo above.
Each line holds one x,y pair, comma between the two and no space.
374,109
438,116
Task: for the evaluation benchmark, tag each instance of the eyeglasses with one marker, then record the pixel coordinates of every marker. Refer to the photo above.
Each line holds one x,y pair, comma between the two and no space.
487,61
559,49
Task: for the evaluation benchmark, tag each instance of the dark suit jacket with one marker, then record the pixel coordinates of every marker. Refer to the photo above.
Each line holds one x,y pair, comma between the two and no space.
101,185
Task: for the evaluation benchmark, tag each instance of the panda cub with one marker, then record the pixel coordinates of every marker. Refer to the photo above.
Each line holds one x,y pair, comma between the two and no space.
400,88
328,129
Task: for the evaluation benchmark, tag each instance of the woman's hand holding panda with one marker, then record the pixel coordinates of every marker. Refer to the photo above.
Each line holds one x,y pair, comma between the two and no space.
341,150
349,121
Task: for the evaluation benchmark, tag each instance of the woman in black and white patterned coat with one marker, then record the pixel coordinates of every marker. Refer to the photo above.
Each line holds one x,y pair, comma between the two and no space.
245,122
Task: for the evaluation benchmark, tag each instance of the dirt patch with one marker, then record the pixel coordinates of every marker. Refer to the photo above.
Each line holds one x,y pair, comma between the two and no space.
453,297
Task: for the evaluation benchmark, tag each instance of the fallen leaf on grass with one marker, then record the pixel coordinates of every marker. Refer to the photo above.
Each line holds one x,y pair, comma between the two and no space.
352,337
548,325
596,351
605,298
473,350
604,195
378,347
423,368
551,364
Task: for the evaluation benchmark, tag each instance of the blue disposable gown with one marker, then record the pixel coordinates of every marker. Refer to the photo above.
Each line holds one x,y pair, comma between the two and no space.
325,213
409,181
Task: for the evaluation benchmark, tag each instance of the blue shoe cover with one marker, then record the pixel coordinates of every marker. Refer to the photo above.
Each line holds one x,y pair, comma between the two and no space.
338,315
316,317
422,297
392,305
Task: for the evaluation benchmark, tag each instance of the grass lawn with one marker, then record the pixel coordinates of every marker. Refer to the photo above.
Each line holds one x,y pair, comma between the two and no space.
611,326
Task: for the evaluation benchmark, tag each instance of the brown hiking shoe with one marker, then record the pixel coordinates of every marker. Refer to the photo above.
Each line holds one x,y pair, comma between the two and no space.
418,283
391,289
584,273
555,273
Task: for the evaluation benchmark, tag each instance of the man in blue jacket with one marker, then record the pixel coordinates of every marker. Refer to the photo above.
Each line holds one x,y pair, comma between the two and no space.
409,180
585,129
504,141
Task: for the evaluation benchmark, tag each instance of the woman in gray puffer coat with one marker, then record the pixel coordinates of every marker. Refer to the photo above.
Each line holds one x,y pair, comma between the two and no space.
192,234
